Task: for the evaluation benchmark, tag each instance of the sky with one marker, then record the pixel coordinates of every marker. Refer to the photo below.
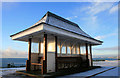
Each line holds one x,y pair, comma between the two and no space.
98,19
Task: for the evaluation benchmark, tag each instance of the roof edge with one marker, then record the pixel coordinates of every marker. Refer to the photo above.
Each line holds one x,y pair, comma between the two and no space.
75,33
56,27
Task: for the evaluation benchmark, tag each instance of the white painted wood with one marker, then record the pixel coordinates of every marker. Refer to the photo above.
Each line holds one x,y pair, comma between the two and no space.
28,32
50,62
69,34
53,30
50,54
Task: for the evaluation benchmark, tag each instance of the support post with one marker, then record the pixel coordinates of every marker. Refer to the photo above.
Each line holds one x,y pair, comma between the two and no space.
28,62
75,50
71,50
87,60
56,67
39,47
91,55
44,64
60,49
66,49
86,51
79,49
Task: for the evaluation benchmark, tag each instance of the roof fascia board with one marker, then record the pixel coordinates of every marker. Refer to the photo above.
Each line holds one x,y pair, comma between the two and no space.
63,32
28,31
34,28
75,33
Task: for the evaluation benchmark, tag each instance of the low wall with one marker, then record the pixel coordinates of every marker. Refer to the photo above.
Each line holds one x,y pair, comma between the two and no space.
34,57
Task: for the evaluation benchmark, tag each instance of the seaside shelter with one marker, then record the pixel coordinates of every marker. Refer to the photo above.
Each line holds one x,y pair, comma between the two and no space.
61,44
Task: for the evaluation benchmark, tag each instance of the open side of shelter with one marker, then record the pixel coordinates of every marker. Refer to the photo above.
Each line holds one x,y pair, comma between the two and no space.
61,44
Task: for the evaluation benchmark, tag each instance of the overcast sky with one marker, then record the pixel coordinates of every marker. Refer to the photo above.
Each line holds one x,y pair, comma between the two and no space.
98,19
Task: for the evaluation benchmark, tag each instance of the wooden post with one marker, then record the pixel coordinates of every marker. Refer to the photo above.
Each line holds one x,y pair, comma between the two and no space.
29,49
91,55
87,60
39,47
86,51
60,49
44,64
71,50
79,49
56,67
28,62
75,50
66,50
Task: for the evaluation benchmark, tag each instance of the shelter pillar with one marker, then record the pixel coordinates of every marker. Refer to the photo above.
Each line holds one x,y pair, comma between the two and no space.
39,46
44,64
28,62
87,60
75,50
91,55
60,49
79,49
56,67
71,50
66,49
86,51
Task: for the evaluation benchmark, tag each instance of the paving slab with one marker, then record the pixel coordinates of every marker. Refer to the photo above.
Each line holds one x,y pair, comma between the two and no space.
88,73
112,72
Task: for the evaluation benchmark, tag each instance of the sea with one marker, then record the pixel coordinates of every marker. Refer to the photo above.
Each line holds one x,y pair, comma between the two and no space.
13,61
22,61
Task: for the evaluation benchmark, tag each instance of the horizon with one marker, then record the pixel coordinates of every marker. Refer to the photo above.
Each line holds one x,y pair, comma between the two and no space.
101,24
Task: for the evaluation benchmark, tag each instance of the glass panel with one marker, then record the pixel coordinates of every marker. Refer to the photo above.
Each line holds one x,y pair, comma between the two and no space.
34,48
73,50
77,50
88,49
83,50
58,49
68,50
63,50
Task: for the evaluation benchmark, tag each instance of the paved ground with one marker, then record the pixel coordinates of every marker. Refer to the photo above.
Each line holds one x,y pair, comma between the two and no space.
113,72
10,73
96,72
6,71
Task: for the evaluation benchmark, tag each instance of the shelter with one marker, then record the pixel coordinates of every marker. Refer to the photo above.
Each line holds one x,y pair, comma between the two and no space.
62,44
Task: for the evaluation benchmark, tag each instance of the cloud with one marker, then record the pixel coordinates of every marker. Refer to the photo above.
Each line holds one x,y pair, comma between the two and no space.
105,36
108,48
99,37
113,9
98,7
91,12
73,17
12,53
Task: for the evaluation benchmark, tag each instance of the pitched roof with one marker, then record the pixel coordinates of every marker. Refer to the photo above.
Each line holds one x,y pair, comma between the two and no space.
60,22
